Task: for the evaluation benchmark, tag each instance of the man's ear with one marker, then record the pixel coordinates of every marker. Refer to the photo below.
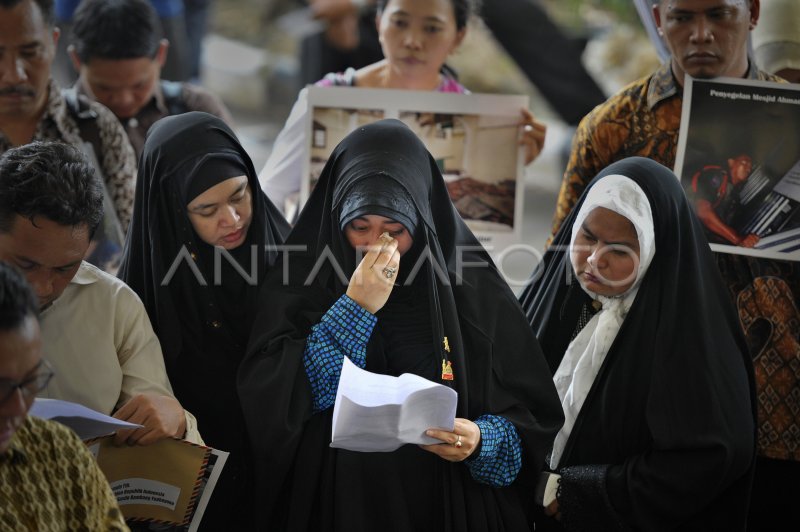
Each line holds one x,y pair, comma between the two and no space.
161,53
73,55
657,18
755,11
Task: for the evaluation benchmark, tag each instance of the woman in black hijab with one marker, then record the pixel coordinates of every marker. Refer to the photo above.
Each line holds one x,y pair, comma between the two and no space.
450,319
651,365
201,240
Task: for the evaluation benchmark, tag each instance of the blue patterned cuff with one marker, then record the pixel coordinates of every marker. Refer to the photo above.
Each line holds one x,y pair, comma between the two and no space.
351,325
343,331
500,459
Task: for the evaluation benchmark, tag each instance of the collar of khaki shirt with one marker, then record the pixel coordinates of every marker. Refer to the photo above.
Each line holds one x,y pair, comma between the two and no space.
86,275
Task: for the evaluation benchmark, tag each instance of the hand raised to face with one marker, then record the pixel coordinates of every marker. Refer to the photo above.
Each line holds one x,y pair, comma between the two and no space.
373,280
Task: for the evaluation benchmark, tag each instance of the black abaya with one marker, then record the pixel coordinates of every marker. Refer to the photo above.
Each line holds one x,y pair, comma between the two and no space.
202,324
665,438
305,485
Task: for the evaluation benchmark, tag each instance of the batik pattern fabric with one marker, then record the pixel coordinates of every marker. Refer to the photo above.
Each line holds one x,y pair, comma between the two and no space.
49,481
117,160
642,119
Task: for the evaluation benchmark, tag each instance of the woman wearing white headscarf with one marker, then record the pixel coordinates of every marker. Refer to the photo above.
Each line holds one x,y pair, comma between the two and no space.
649,362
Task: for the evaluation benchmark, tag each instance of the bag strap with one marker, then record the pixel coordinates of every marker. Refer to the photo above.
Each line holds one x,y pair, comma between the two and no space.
173,97
85,117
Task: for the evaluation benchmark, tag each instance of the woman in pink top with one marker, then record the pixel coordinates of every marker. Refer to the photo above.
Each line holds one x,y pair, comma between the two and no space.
417,37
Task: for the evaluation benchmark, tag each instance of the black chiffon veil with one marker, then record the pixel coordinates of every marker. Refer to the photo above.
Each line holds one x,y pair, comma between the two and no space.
496,361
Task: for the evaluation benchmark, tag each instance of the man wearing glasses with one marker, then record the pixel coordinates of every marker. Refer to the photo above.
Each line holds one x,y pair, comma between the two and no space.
48,478
98,335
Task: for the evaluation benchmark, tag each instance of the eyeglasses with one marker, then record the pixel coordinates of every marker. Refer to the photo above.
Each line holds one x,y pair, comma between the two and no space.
28,387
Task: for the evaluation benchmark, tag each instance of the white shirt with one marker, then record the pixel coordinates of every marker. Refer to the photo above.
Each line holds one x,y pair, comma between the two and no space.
282,175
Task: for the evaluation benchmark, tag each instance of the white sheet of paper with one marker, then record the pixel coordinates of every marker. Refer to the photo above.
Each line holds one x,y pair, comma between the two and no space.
379,413
86,423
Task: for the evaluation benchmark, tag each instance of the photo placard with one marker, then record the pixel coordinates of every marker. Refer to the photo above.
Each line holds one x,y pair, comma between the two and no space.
738,160
474,139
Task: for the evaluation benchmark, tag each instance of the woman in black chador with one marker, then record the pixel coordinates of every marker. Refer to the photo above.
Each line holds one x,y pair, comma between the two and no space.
202,238
649,361
411,305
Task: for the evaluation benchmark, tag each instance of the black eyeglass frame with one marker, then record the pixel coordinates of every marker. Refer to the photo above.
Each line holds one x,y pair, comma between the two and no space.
28,387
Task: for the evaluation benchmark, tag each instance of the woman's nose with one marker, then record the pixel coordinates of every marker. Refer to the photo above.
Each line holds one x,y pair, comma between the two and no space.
595,258
371,240
413,40
230,216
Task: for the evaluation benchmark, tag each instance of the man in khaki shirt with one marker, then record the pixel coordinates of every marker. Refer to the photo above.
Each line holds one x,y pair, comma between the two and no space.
48,478
100,341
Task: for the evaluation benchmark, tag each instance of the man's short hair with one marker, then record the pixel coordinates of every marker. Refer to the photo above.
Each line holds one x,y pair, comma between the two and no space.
45,6
17,301
115,29
50,180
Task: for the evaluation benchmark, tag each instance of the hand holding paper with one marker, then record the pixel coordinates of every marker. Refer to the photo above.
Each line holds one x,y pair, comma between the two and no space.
160,416
379,413
456,445
168,482
86,423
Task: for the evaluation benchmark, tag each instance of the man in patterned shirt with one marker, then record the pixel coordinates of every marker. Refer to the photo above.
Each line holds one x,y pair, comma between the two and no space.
48,478
707,39
33,108
118,52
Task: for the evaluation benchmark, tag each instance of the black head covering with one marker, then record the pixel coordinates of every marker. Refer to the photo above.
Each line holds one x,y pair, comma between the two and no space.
497,364
672,409
406,333
202,324
184,155
379,195
210,171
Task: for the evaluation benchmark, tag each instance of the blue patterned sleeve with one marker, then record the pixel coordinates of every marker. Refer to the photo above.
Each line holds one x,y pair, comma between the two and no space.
343,331
500,458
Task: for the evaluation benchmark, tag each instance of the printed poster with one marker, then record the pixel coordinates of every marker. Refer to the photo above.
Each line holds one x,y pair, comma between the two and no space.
738,160
474,139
